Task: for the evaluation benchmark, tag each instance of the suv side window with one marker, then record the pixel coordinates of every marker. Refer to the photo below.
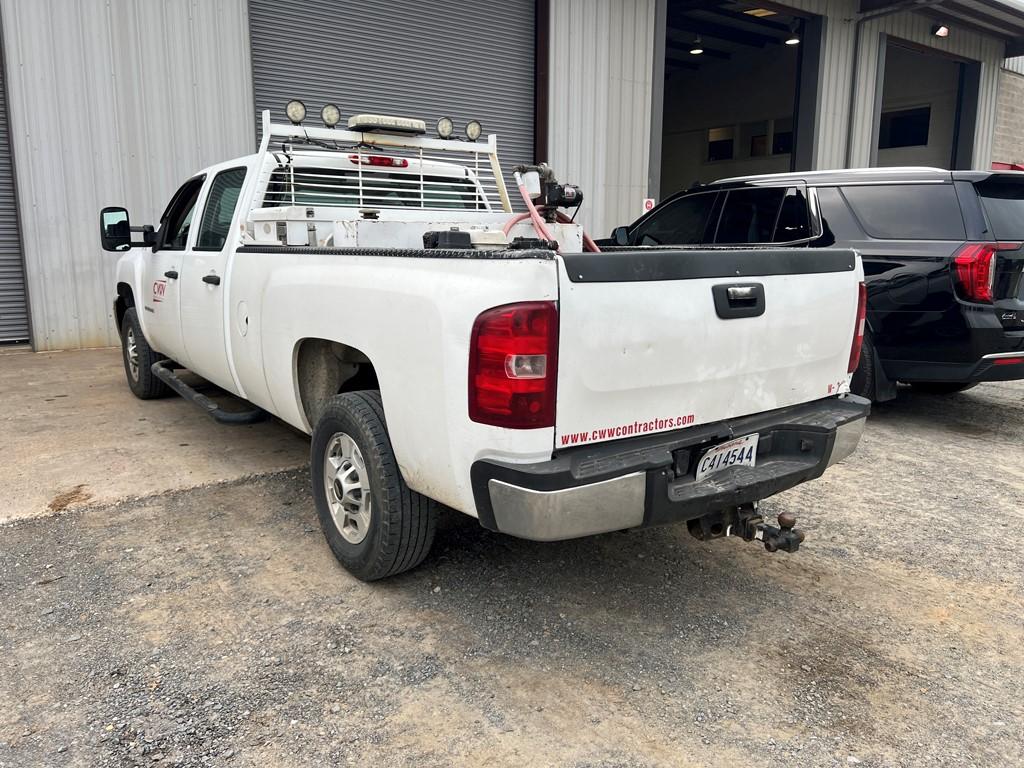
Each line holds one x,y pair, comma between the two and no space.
750,215
682,221
175,223
220,209
907,211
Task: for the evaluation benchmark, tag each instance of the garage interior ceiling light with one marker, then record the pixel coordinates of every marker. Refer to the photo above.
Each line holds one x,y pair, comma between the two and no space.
794,35
697,48
759,13
940,30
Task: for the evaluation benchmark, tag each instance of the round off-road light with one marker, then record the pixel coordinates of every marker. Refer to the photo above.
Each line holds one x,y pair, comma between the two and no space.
296,111
473,130
445,128
331,115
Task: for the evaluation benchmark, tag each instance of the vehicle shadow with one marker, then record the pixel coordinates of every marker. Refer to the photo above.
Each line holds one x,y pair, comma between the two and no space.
988,410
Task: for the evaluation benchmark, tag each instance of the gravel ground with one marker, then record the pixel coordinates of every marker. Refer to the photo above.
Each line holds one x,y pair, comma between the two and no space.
212,627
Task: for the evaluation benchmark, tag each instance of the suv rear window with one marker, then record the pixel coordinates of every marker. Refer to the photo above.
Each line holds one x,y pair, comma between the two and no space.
907,211
1003,201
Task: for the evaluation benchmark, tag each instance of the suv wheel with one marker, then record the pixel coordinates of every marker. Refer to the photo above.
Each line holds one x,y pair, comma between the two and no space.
863,380
375,525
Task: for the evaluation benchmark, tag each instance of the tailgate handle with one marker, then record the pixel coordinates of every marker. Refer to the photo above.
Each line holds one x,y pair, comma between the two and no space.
740,293
738,300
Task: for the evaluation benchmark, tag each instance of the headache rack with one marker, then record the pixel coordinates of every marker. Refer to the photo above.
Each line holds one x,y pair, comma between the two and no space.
382,170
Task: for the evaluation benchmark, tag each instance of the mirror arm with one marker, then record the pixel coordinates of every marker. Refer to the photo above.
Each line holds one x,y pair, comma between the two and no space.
148,236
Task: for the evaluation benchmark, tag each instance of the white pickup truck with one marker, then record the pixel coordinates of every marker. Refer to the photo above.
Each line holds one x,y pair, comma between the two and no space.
373,288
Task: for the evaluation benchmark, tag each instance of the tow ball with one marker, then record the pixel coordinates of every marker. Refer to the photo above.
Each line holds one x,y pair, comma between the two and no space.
746,522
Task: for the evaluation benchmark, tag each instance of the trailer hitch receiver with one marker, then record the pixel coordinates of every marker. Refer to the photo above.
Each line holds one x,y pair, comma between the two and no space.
746,522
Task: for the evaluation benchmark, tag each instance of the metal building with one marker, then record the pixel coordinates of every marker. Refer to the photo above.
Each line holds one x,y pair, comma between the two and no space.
109,102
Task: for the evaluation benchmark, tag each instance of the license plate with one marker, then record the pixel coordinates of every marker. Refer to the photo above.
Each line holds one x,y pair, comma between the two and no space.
741,452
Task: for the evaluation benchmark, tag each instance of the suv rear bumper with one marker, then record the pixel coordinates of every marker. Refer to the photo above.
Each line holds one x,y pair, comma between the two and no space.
998,366
651,480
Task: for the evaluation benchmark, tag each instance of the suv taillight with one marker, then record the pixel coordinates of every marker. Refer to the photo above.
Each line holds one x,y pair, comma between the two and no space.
858,329
974,265
513,366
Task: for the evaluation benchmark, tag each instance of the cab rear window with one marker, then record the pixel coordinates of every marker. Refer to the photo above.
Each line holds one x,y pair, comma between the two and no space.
907,211
1003,201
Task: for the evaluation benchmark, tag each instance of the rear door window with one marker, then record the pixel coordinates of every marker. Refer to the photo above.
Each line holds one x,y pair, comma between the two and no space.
682,221
750,215
907,211
220,209
1003,201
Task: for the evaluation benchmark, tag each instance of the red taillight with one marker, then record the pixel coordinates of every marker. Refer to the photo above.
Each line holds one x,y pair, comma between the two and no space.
513,366
1008,361
390,162
858,329
975,269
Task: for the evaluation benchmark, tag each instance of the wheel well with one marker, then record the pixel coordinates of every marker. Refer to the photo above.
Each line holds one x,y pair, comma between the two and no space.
125,299
324,369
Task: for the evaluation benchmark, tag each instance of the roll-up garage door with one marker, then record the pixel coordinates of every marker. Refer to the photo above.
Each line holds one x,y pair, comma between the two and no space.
467,61
13,304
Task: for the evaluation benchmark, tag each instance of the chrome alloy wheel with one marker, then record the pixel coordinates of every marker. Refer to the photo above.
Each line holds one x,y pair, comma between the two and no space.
132,353
347,484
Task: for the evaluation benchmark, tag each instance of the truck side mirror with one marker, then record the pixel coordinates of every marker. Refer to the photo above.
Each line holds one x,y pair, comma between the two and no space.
115,229
621,235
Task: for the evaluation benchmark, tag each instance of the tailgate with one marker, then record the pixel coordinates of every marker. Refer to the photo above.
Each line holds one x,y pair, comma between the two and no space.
652,341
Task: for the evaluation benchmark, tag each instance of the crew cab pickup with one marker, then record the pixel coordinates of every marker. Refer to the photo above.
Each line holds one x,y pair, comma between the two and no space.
374,288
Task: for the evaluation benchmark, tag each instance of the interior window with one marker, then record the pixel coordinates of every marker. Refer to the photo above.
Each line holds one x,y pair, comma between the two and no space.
220,209
904,128
682,221
750,215
794,218
177,219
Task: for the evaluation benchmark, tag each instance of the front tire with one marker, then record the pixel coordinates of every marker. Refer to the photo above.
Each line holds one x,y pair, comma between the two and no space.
138,359
374,523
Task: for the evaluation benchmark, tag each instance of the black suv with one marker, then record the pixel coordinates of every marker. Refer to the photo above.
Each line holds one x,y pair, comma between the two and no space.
942,250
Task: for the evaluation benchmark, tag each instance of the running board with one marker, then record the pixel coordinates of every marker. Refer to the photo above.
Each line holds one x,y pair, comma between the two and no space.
163,371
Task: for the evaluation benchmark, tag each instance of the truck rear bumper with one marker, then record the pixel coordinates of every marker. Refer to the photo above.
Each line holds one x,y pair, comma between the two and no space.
651,480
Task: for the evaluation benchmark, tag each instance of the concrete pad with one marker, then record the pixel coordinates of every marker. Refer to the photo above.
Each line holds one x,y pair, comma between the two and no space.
72,434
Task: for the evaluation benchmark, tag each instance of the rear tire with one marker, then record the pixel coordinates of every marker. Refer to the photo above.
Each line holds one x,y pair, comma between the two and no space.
941,387
863,380
374,523
138,359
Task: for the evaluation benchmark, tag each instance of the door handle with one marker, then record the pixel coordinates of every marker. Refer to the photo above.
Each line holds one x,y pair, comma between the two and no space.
171,274
211,279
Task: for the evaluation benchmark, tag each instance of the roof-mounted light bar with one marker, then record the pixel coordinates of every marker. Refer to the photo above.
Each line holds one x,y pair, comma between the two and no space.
408,126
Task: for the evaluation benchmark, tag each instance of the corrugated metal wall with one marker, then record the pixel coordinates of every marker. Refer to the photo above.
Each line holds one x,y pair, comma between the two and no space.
839,75
113,102
13,301
600,105
402,58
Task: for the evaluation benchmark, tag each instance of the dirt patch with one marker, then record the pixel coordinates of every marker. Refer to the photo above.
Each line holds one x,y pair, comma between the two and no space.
70,498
